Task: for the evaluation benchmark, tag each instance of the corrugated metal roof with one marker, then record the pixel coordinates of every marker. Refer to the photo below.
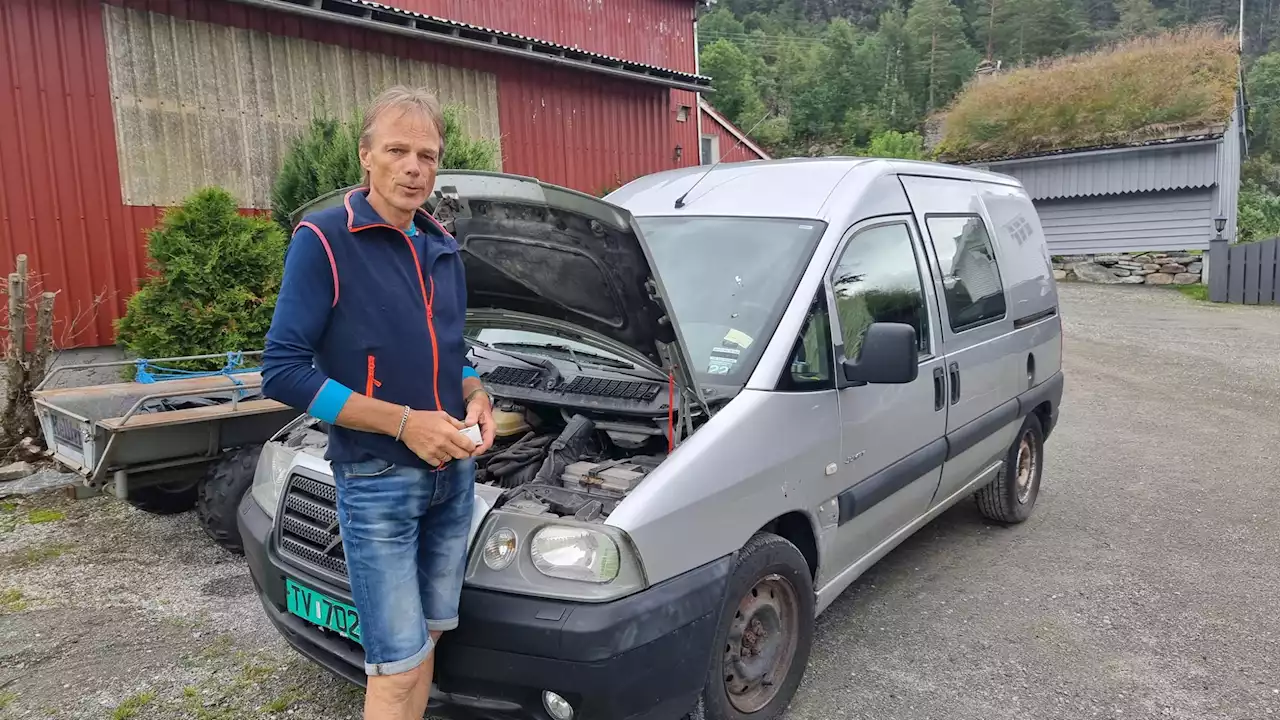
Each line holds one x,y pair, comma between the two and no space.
377,16
1139,169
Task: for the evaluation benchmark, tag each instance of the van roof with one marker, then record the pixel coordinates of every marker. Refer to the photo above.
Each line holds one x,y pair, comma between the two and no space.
791,187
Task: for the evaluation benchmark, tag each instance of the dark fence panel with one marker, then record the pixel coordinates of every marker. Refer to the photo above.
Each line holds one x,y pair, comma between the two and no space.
1244,273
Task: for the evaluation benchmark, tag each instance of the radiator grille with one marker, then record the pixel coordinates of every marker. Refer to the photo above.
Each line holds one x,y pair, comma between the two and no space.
309,529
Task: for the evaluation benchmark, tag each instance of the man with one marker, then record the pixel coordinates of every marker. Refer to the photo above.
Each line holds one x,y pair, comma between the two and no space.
367,336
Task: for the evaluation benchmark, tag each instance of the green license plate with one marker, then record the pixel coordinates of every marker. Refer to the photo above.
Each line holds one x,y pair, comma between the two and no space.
322,610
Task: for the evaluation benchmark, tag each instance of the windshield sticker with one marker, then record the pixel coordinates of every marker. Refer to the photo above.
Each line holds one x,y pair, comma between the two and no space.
739,338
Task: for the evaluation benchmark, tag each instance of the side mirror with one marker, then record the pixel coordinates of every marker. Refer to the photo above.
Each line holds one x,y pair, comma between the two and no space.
889,355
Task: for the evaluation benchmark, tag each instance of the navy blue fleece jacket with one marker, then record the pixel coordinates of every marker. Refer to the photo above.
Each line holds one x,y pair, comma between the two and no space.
368,307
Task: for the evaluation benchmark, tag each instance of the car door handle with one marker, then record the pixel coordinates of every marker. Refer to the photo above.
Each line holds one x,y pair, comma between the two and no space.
955,383
939,394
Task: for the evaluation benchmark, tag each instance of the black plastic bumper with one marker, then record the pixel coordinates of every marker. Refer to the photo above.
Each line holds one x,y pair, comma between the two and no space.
644,657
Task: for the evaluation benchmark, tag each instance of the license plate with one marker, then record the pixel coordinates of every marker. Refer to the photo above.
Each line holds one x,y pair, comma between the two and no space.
322,610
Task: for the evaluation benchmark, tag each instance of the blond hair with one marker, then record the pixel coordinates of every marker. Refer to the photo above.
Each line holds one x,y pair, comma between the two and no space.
406,99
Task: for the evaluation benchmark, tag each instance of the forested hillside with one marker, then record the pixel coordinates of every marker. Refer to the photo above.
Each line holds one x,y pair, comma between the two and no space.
811,77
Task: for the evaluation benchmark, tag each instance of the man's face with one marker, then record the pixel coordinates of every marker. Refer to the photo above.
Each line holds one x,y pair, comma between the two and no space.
402,158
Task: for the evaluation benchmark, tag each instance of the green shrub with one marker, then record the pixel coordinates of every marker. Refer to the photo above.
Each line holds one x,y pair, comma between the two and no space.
215,276
325,157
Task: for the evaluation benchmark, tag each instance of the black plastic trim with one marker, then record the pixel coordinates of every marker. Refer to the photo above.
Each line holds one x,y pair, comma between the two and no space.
861,497
1033,318
981,427
866,494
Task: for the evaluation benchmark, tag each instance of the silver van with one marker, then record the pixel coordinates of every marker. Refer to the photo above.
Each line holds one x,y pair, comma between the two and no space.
723,393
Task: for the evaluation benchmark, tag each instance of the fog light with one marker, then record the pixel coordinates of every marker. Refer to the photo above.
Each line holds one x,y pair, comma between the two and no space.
557,707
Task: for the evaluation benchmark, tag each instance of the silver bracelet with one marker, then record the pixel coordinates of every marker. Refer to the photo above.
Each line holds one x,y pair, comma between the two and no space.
404,418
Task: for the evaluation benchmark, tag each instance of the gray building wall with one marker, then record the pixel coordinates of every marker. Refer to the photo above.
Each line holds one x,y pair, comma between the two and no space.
1160,197
1132,222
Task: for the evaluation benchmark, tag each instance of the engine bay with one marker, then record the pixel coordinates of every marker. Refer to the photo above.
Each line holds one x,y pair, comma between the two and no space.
550,461
568,442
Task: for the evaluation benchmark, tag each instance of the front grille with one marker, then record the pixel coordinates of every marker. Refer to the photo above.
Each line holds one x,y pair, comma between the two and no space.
309,528
613,388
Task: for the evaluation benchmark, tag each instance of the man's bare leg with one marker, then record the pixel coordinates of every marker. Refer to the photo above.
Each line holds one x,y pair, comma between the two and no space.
402,696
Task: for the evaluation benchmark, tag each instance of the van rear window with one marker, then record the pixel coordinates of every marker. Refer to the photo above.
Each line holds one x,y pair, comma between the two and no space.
970,274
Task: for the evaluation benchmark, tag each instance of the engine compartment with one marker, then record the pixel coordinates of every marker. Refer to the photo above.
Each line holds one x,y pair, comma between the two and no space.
551,461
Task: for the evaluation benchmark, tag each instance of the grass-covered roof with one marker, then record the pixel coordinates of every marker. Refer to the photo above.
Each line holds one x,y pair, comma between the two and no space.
1178,84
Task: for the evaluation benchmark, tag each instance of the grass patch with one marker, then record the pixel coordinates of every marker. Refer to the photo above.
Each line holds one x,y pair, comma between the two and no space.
11,601
6,699
38,516
281,703
130,706
34,555
1176,84
1195,292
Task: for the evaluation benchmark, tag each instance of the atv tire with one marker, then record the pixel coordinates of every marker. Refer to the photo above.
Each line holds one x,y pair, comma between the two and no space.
221,491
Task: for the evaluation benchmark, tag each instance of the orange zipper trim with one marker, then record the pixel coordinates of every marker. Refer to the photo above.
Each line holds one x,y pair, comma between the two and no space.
370,381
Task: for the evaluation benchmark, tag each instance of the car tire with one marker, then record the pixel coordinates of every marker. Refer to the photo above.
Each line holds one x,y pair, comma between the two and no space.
221,491
165,499
765,631
1010,498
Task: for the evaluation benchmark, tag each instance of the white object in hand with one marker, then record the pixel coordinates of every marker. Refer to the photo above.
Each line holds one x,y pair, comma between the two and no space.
473,432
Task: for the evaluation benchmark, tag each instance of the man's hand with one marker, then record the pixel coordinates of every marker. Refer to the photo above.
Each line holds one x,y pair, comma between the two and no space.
479,411
434,437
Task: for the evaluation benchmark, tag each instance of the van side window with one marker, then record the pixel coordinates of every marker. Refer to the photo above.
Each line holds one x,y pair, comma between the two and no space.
877,279
812,359
970,274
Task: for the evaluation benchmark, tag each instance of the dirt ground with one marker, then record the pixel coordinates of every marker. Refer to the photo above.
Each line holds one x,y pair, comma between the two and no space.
1146,585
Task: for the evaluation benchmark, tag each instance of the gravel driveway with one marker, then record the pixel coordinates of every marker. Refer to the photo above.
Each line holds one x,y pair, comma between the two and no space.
1145,586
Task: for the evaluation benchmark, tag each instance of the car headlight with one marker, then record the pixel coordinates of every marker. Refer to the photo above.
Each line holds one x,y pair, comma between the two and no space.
559,558
574,553
269,476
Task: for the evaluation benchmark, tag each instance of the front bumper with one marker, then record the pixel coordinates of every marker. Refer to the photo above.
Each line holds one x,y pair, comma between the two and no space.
644,657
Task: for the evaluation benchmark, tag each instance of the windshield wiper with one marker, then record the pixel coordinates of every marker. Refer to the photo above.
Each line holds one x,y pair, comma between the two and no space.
573,354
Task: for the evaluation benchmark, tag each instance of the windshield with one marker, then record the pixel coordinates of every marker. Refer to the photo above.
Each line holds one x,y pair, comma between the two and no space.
729,281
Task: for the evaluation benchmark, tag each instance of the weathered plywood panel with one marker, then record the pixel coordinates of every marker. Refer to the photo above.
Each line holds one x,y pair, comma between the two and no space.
199,104
1128,223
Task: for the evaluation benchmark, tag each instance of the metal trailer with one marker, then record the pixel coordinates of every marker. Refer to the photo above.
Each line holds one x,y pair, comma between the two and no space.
158,457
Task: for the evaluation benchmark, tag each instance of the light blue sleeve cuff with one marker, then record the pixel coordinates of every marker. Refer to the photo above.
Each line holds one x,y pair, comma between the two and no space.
468,371
329,401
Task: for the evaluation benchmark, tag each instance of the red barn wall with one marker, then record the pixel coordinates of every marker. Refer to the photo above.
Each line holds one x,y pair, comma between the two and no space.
654,32
728,153
60,198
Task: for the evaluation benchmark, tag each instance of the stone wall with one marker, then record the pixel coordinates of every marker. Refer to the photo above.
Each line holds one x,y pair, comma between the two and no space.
1134,269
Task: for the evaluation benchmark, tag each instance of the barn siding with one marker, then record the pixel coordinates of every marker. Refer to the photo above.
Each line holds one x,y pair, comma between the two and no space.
197,103
1173,220
1230,156
654,32
60,184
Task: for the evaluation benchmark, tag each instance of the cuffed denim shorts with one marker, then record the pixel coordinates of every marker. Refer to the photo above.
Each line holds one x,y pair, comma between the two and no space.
404,531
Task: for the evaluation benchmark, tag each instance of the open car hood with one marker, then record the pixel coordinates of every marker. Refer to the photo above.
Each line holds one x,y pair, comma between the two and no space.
553,253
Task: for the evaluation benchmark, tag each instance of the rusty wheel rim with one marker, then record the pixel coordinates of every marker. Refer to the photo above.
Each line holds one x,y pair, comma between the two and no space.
763,635
1027,465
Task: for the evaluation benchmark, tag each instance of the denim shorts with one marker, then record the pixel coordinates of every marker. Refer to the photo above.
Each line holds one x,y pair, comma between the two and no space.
404,531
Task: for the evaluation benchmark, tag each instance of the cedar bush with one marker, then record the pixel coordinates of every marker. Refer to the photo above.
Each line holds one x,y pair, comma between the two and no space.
325,158
1179,83
215,276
